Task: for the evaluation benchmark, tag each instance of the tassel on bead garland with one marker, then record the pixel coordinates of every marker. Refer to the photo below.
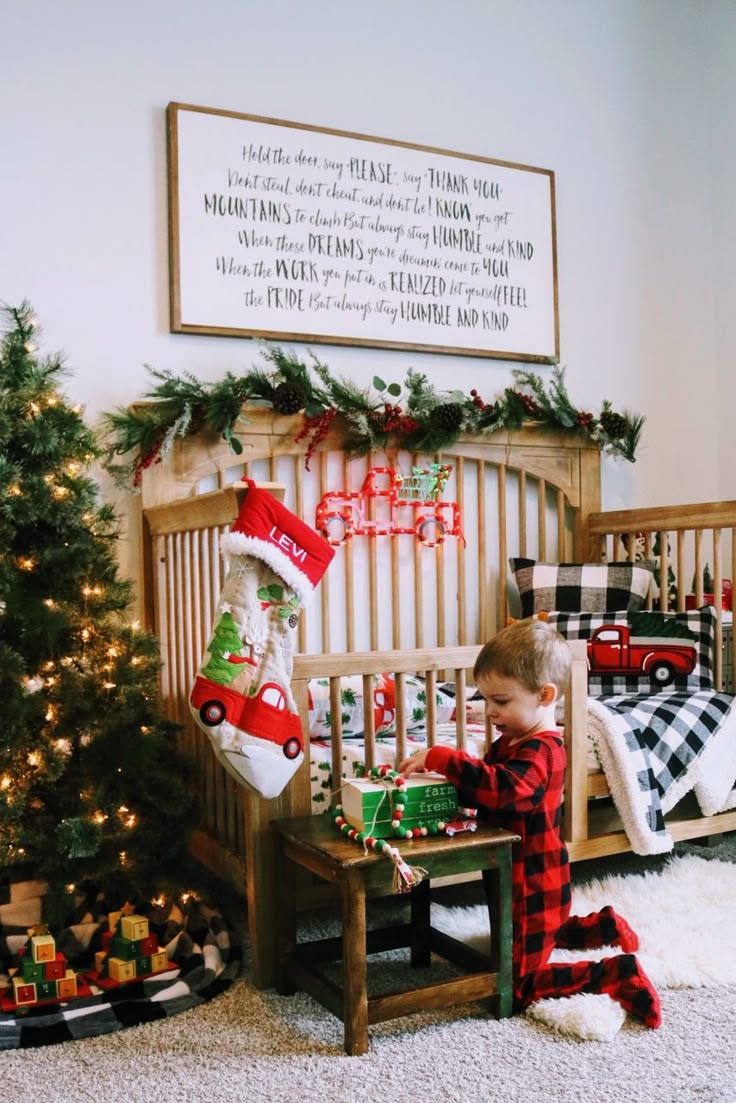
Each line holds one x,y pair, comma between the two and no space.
405,876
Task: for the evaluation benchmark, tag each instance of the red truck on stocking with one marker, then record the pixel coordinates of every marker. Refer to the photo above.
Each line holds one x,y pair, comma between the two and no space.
613,650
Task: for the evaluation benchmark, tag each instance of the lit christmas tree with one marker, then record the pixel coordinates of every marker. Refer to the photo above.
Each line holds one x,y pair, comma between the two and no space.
93,790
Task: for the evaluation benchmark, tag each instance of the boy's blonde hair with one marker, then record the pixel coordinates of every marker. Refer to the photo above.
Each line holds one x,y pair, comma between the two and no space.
531,652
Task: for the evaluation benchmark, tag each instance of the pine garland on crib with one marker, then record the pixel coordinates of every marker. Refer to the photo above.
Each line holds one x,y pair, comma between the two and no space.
413,416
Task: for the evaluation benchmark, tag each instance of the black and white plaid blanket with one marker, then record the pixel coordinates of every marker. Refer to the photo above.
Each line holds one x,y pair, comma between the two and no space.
656,748
203,948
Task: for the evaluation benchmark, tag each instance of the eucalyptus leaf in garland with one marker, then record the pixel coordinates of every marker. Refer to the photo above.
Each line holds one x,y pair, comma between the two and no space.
412,415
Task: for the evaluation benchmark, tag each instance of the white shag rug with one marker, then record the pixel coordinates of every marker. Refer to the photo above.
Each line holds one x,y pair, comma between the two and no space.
685,917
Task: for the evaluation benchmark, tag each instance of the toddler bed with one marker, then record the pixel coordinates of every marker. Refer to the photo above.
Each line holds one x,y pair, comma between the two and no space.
418,604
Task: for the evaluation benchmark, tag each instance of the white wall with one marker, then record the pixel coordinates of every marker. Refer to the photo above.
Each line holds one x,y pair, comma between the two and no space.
610,94
721,116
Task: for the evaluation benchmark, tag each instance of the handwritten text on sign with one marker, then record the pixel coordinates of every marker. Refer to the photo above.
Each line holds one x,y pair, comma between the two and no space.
284,230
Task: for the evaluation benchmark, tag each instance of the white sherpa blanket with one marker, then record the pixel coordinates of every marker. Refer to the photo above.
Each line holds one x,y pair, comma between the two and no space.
656,749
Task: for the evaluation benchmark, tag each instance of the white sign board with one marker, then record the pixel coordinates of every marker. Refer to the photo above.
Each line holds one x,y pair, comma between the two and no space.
287,231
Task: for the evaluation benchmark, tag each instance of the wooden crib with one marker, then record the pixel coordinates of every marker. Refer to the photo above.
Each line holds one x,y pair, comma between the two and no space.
392,604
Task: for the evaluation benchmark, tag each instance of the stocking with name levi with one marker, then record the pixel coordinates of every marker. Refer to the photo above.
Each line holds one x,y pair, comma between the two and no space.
241,696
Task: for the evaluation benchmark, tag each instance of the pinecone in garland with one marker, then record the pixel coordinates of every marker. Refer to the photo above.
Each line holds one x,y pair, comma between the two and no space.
288,398
448,416
613,424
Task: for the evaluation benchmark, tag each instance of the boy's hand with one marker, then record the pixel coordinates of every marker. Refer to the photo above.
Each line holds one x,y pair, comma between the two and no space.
414,764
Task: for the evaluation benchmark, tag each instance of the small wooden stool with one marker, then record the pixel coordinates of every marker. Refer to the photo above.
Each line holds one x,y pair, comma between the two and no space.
314,843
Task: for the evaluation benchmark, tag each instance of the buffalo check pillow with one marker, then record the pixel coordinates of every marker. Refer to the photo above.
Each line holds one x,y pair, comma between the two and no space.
580,587
652,633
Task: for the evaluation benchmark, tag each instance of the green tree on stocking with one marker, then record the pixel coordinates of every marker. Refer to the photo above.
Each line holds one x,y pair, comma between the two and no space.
93,792
225,641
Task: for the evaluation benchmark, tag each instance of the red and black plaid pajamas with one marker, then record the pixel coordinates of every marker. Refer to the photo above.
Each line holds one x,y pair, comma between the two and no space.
519,786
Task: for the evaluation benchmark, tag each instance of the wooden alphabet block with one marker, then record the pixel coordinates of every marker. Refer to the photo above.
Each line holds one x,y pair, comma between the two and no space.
149,945
134,927
124,948
159,961
43,947
22,992
46,990
33,971
67,986
121,970
54,970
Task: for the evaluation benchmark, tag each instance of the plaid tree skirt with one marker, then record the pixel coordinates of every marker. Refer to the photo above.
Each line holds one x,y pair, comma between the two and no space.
204,950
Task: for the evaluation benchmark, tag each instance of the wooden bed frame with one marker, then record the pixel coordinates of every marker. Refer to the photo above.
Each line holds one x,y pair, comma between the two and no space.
390,604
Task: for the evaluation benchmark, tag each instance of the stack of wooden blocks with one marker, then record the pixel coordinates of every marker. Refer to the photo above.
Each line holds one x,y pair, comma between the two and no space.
44,973
129,951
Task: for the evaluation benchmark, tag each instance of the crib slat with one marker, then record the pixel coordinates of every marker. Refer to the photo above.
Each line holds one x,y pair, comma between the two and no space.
503,603
335,732
462,635
325,584
664,566
349,574
369,722
430,689
542,518
483,588
439,579
395,596
698,567
418,585
460,709
522,514
400,688
561,526
680,571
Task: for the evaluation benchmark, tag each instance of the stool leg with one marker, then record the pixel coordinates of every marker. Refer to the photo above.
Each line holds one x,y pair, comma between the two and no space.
421,954
286,923
354,966
497,884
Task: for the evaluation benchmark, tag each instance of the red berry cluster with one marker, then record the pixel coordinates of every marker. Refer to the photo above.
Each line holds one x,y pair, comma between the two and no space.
585,419
391,419
315,428
154,456
527,402
477,400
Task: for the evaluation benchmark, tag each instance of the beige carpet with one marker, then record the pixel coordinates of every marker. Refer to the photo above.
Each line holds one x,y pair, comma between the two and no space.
258,1046
261,1047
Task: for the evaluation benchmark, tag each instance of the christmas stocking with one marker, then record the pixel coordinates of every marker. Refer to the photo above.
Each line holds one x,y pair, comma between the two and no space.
242,697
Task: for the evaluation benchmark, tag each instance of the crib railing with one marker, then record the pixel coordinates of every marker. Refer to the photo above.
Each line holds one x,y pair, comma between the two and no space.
681,540
454,662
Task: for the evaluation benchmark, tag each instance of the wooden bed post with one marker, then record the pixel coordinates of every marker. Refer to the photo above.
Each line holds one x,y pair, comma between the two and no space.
575,806
262,889
590,502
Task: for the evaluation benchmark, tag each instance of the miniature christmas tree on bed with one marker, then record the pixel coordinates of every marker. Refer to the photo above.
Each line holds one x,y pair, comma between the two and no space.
93,791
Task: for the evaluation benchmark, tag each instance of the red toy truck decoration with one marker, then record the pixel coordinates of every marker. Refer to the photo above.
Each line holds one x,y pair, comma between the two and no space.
389,503
613,649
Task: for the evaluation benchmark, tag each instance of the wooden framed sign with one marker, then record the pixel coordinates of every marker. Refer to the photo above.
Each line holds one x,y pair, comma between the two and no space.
296,232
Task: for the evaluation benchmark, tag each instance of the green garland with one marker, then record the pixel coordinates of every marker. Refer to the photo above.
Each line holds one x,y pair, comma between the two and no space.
413,416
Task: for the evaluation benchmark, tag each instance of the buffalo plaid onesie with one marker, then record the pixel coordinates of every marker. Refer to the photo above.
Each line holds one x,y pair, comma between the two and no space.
518,786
